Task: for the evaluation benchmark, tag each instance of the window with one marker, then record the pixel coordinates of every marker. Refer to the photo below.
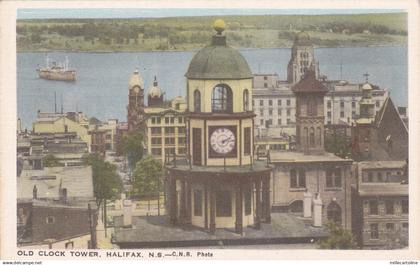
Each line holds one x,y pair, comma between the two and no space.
166,120
288,112
69,245
261,102
390,227
265,77
312,137
170,150
288,102
379,177
279,112
247,141
279,121
329,103
378,103
221,100
270,112
248,201
181,130
297,178
334,213
181,150
404,206
329,114
333,178
180,120
172,120
341,114
373,207
374,233
353,104
389,207
156,151
265,85
169,130
156,130
181,140
156,140
312,111
197,101
153,120
50,220
223,204
246,100
341,104
279,102
270,103
261,112
268,123
405,226
296,206
288,121
198,203
261,122
158,120
169,140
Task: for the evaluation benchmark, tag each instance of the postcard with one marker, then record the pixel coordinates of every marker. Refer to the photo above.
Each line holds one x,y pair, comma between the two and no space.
209,130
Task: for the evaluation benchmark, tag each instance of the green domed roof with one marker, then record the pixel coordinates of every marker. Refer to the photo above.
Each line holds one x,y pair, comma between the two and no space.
218,61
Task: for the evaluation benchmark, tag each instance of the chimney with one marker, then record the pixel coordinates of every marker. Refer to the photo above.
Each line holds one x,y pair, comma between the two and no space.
127,213
307,204
317,217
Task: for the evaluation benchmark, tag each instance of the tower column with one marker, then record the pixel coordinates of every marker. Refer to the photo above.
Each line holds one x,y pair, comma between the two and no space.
239,209
188,203
212,210
206,207
257,221
182,206
173,200
266,198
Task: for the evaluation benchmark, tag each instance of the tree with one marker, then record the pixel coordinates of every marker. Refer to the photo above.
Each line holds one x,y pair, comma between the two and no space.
338,145
339,238
106,182
51,161
147,177
132,146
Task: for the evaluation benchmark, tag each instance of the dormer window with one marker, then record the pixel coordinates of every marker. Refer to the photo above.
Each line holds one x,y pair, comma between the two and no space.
221,99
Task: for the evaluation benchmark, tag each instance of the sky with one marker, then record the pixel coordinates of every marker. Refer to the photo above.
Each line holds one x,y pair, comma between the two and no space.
50,13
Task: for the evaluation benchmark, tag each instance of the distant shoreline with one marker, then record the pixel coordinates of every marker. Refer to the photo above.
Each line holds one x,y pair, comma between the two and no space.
194,50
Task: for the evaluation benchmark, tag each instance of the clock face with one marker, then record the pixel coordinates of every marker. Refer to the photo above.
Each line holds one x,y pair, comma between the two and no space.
222,140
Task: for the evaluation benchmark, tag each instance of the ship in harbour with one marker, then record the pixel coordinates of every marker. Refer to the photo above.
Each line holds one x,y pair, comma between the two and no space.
57,71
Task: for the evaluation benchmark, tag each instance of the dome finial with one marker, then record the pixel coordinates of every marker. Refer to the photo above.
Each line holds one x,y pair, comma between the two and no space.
155,83
219,25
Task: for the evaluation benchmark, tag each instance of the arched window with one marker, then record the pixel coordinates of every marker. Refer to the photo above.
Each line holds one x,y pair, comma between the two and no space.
197,101
221,100
246,100
312,137
296,206
334,213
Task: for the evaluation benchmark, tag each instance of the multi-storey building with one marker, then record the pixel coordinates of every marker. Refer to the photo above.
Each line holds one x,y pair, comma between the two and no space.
274,102
310,178
166,133
381,205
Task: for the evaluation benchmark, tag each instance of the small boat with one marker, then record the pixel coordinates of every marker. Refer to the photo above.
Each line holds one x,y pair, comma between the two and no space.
57,71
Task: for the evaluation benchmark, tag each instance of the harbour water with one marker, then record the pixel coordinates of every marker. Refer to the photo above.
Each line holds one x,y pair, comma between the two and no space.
102,78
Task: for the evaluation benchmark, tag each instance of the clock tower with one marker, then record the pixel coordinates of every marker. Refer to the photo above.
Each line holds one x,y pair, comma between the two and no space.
135,108
218,184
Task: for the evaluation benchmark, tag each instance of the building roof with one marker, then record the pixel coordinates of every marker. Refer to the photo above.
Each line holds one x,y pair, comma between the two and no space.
298,157
218,61
302,38
136,80
392,140
309,84
76,179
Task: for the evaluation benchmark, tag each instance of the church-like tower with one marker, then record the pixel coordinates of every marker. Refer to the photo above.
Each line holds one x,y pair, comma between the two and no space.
302,58
310,114
364,130
219,185
135,108
155,95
